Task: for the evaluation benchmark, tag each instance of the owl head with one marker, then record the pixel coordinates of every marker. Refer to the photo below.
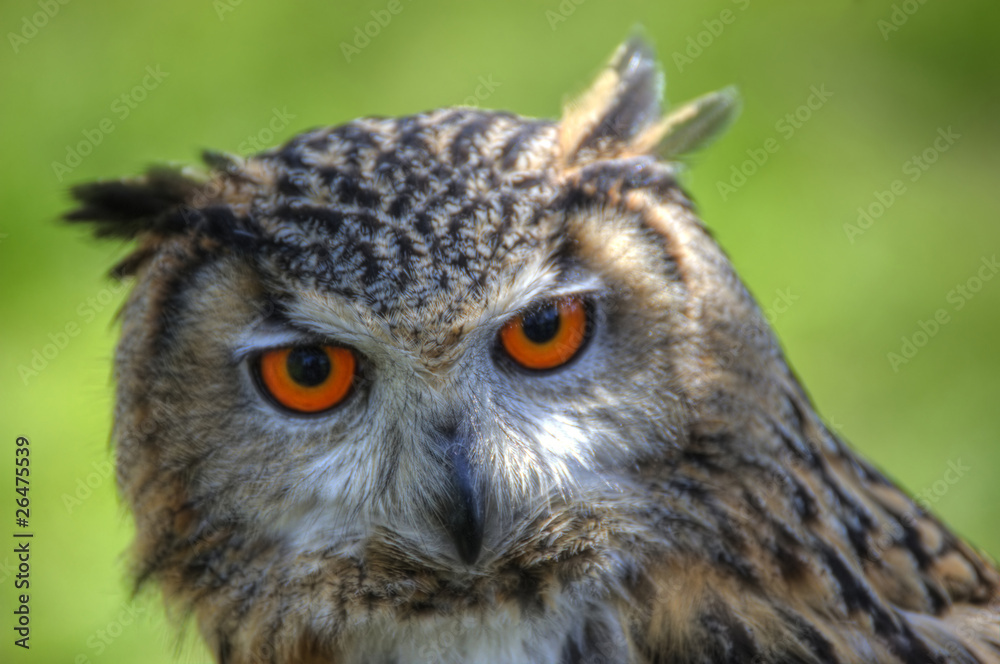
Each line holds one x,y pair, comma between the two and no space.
430,345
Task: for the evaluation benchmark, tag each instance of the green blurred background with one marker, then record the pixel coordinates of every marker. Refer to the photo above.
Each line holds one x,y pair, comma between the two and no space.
232,73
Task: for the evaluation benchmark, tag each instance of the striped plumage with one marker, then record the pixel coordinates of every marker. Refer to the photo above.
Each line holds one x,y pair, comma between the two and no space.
670,496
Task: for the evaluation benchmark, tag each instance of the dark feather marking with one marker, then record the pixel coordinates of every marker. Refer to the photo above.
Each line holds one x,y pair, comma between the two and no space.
331,219
791,562
516,143
225,649
290,155
804,501
528,181
171,300
411,140
801,449
622,175
858,537
810,637
800,497
800,417
129,265
858,597
400,206
331,176
595,184
455,189
463,144
319,143
939,599
386,478
670,255
853,591
570,652
855,517
291,185
913,543
352,193
423,224
911,648
730,639
217,223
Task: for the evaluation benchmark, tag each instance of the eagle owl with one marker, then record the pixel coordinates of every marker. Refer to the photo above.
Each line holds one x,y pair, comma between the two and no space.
469,387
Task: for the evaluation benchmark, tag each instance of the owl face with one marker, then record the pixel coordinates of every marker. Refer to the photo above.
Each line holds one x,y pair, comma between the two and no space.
433,390
407,365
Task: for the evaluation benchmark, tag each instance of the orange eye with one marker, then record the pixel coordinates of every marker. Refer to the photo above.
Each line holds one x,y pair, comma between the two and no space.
307,379
548,336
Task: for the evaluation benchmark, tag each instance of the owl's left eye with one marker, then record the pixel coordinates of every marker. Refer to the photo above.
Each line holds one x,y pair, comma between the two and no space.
549,336
307,379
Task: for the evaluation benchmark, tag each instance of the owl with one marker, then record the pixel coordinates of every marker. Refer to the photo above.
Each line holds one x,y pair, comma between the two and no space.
465,386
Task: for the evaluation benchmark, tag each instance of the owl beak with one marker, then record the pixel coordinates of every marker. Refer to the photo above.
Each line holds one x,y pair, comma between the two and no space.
463,511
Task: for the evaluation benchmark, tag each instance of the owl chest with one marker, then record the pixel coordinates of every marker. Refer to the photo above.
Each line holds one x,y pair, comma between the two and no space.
500,637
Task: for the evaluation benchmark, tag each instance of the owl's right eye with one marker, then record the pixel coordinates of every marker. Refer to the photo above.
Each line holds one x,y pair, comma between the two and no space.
307,379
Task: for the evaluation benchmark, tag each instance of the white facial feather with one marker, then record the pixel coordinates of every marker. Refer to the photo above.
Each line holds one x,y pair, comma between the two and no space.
526,449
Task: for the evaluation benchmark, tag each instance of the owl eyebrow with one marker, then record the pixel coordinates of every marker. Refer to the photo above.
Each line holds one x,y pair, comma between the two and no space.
273,330
568,285
309,321
255,339
571,280
588,286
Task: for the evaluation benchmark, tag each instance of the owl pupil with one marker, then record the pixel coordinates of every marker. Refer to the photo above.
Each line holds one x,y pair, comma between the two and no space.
308,366
542,324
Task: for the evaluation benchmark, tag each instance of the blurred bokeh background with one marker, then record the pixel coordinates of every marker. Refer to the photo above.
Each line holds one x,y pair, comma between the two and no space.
875,210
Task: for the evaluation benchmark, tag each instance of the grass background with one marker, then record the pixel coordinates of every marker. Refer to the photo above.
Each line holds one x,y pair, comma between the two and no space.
229,66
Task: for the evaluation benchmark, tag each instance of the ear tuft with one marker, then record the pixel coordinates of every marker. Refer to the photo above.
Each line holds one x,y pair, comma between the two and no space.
619,115
693,125
221,161
622,101
124,208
